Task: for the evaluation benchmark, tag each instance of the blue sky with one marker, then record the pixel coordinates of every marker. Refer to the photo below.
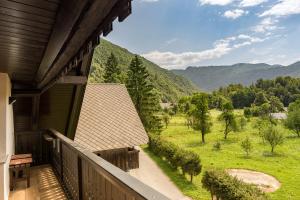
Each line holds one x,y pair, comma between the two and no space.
179,33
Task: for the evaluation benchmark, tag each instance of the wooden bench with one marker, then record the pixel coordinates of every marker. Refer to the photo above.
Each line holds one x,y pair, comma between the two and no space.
20,169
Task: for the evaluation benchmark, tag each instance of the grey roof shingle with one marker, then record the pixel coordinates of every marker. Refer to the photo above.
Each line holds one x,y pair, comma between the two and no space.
108,119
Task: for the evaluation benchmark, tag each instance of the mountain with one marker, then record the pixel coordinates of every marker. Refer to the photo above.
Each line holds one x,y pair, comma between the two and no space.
209,78
170,85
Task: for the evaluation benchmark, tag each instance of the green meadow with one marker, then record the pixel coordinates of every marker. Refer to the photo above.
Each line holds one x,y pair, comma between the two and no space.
284,164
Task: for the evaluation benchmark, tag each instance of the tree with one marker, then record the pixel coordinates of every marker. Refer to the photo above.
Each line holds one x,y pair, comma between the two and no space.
260,99
143,95
229,118
200,114
293,120
247,146
276,104
273,136
166,119
112,70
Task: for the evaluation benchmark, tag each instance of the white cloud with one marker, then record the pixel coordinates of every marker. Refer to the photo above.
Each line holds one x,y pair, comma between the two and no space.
283,8
249,3
216,2
266,25
171,60
234,14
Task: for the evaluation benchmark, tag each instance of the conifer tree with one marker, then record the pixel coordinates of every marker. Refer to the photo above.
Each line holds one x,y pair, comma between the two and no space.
112,70
143,95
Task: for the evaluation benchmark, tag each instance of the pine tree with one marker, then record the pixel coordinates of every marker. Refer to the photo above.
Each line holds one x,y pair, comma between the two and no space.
112,70
143,95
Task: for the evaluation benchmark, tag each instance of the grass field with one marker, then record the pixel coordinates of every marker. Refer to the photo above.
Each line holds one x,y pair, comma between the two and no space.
284,164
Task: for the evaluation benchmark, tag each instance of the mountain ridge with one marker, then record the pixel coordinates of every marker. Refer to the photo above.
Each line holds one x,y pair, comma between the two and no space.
209,78
170,86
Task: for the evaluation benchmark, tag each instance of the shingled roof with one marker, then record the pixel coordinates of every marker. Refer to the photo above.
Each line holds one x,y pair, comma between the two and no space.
108,119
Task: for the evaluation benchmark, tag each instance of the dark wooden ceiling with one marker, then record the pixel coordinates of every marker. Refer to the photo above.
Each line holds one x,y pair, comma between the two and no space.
42,41
25,28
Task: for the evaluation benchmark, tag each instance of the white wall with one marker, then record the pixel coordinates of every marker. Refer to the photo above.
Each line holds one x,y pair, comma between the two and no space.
6,134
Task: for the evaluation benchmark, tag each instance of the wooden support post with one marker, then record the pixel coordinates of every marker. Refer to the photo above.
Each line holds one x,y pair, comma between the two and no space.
78,97
80,186
35,112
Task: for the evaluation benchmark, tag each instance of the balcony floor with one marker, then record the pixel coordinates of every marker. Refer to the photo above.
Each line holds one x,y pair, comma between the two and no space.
44,186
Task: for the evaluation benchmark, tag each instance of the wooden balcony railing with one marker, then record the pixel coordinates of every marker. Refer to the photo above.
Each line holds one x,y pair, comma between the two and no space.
86,176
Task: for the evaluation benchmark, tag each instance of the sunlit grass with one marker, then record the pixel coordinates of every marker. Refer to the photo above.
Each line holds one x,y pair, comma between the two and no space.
284,164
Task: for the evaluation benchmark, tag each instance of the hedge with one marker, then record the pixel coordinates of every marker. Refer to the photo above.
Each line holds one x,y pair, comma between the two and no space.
223,186
177,157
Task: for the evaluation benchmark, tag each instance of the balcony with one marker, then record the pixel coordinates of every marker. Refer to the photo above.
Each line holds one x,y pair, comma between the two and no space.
67,171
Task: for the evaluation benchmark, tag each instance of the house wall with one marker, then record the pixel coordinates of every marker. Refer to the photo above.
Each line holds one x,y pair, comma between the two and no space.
6,134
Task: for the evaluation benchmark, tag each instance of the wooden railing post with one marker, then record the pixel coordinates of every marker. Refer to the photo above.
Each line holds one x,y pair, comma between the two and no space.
59,146
80,186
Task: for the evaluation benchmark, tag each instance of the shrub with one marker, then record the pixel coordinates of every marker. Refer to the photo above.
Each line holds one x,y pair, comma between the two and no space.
223,186
247,146
217,146
191,164
188,161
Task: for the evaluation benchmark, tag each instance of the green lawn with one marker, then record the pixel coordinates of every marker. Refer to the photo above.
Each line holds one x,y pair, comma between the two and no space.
284,165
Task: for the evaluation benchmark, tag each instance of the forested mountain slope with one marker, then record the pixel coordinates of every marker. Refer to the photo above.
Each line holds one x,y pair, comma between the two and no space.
212,77
170,85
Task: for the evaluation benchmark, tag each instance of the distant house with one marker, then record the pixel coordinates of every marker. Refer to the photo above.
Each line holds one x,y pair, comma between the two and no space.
279,116
109,125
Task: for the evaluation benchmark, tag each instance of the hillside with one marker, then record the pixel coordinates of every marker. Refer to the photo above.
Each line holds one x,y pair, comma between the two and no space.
170,85
212,77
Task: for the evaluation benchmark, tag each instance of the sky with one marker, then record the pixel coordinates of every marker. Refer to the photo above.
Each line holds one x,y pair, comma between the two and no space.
176,34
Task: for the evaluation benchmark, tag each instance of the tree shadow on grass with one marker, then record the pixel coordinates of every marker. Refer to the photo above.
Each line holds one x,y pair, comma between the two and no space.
195,143
179,179
293,137
274,154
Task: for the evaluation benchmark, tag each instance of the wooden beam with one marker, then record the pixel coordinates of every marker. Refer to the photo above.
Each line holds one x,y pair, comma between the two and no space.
25,93
97,18
67,17
75,80
78,98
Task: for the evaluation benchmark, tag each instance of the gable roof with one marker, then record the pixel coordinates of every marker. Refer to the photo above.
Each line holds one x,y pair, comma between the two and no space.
108,119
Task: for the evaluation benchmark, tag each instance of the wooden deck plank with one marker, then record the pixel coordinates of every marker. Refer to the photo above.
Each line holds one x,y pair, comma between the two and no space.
44,186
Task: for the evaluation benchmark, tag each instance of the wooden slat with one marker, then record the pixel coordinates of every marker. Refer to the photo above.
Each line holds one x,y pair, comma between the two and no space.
25,41
21,50
17,55
21,44
47,5
17,33
23,28
16,8
36,24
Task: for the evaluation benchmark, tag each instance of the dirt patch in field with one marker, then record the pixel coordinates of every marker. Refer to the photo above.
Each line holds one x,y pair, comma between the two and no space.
263,181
